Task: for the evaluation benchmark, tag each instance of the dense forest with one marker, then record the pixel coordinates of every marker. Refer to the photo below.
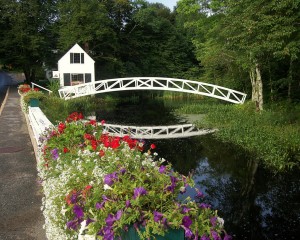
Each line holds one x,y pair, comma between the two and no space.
249,45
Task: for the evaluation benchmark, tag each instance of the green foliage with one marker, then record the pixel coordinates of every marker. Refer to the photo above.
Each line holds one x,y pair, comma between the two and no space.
54,86
57,109
25,42
33,94
272,135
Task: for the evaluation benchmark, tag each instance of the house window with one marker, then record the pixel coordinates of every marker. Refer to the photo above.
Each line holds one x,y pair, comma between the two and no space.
71,79
76,57
77,78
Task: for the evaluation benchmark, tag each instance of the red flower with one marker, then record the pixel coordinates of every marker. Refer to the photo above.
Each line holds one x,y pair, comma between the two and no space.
93,122
115,143
102,122
101,153
75,116
61,127
94,144
152,146
89,136
66,150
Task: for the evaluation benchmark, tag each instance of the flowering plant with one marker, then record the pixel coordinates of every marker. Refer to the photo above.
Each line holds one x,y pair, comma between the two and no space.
24,88
97,186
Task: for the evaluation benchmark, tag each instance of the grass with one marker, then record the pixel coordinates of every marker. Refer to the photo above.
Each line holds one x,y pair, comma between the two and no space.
272,135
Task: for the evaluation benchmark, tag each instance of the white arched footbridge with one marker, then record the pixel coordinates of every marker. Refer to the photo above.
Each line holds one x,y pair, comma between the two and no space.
152,83
155,132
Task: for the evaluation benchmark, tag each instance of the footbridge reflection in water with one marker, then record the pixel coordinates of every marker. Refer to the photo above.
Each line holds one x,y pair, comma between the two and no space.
155,132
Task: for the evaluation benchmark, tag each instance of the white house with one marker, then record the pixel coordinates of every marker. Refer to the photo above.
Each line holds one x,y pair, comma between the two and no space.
76,67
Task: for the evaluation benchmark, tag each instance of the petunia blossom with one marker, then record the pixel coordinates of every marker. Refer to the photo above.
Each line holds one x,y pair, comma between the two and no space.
162,169
187,221
227,237
204,237
185,209
54,153
215,235
78,211
157,216
109,179
213,221
139,191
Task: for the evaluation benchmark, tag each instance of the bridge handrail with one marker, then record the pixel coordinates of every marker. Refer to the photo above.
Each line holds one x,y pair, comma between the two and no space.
153,83
155,132
39,86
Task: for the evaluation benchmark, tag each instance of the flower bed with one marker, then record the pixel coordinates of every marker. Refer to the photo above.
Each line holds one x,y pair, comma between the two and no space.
97,187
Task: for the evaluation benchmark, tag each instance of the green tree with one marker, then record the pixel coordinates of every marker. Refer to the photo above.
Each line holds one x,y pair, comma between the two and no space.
24,40
245,36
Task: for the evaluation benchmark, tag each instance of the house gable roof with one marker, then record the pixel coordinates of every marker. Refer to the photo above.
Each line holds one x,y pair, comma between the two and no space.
76,49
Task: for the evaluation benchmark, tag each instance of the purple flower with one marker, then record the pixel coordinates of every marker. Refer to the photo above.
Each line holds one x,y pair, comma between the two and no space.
227,237
187,232
122,171
74,198
54,153
110,220
204,237
204,205
107,233
199,194
187,221
109,179
174,180
213,221
185,209
157,216
128,204
215,235
118,215
139,191
162,169
88,221
100,205
73,224
78,211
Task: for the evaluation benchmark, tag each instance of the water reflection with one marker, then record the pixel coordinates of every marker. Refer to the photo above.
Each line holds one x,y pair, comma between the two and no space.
254,203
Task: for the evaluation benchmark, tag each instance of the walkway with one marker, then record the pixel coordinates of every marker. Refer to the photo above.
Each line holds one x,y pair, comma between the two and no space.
20,198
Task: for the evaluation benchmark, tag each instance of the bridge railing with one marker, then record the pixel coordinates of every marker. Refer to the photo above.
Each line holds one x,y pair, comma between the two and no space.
155,132
152,83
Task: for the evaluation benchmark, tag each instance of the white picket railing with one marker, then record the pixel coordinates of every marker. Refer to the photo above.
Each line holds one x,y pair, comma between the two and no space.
38,122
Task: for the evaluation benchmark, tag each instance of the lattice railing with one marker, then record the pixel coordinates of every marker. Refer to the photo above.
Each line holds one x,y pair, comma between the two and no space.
155,132
152,83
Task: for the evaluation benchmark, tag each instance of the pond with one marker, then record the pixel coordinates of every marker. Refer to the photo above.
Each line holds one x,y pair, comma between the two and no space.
255,203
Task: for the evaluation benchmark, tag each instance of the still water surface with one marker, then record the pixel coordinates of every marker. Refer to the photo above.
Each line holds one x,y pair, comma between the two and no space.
254,203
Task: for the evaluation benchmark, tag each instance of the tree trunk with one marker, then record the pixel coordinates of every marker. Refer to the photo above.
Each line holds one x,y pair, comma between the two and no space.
29,75
257,87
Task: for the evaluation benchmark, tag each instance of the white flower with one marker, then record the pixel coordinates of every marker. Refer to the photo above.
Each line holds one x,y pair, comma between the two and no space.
63,211
220,221
106,187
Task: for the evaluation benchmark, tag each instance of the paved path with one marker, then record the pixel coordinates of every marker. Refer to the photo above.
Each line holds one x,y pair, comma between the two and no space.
20,193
